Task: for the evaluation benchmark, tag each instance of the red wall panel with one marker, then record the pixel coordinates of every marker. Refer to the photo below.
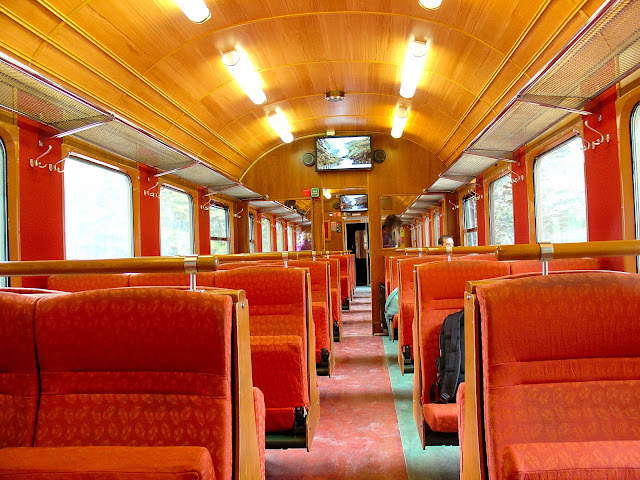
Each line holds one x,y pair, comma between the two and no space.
204,228
480,214
41,200
520,200
149,212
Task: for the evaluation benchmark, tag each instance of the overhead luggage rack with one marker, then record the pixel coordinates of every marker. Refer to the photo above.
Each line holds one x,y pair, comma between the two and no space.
420,205
604,52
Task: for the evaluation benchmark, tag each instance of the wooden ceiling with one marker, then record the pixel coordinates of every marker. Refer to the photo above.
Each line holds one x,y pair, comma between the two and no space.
144,60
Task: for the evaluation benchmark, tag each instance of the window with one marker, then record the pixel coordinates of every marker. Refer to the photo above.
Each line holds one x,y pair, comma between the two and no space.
176,222
469,221
427,236
4,238
635,159
559,197
252,233
501,231
279,237
291,239
219,221
98,212
436,226
266,234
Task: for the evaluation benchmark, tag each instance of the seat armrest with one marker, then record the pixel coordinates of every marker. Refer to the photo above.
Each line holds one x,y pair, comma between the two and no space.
88,463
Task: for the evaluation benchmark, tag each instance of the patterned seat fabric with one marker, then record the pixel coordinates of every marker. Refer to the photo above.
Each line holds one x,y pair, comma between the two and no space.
259,409
441,287
277,312
529,266
19,388
169,279
561,363
107,380
79,283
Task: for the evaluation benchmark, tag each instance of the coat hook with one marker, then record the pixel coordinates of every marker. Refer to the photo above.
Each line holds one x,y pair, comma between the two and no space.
453,205
153,194
602,138
35,162
55,168
237,215
516,178
585,145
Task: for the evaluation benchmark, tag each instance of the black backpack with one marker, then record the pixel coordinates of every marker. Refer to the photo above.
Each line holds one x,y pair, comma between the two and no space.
450,364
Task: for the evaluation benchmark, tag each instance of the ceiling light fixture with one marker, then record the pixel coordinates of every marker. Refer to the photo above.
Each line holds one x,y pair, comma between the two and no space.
399,121
280,125
334,96
430,4
414,61
195,10
326,193
244,73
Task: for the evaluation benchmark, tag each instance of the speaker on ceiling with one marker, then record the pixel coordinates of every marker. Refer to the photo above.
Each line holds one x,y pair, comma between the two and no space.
336,206
379,156
309,159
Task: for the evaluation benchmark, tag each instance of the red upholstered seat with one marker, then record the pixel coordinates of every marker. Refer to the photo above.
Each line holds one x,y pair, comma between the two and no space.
19,389
259,408
277,312
556,265
79,283
441,287
441,417
204,279
108,380
561,366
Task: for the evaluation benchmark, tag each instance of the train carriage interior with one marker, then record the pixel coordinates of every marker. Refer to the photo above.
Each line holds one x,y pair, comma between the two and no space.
227,239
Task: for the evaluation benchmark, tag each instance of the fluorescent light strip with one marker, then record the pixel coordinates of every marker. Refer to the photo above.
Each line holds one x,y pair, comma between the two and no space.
244,73
399,121
414,61
430,4
280,125
195,10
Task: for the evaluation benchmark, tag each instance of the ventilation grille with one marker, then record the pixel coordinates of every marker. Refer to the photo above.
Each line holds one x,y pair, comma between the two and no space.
29,95
207,177
445,185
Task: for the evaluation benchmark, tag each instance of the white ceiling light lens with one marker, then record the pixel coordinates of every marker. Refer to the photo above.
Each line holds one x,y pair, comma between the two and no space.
414,61
195,10
280,125
327,194
244,73
430,4
399,121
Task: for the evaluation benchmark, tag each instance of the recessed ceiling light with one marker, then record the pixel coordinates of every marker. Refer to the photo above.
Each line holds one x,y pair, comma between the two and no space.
334,96
280,125
399,121
430,4
414,60
242,70
195,10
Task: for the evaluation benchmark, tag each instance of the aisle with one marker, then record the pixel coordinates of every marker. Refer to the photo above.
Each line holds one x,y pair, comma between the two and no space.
358,435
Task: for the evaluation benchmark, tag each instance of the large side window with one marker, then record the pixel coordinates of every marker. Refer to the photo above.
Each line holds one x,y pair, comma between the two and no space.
469,221
266,234
501,211
220,238
635,158
252,233
4,237
176,222
98,211
291,239
436,226
279,237
559,195
427,232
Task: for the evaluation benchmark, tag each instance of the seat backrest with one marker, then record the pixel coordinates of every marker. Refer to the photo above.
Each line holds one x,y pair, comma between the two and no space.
319,276
561,359
204,279
441,287
136,367
79,283
555,265
19,384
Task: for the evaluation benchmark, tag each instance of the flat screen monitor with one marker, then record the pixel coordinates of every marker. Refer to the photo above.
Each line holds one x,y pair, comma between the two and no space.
343,153
354,203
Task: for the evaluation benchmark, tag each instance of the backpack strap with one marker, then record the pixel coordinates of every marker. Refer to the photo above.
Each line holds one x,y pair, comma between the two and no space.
449,382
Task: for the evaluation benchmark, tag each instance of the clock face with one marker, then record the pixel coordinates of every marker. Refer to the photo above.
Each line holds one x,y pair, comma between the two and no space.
308,159
379,156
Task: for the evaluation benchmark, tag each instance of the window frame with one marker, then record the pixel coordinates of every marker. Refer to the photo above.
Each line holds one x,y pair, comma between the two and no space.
192,215
252,232
227,222
96,163
469,196
262,222
536,156
436,234
490,203
634,143
4,198
280,235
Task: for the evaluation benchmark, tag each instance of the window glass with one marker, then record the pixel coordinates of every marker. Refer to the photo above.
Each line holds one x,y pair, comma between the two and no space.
291,245
436,226
252,233
635,158
266,234
469,221
219,221
279,237
176,222
501,211
559,194
4,238
427,230
98,212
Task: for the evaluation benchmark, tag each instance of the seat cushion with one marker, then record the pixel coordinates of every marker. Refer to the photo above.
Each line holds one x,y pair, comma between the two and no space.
441,417
259,409
572,461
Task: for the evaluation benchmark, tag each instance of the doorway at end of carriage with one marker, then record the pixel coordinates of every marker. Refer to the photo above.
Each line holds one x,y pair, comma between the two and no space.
357,242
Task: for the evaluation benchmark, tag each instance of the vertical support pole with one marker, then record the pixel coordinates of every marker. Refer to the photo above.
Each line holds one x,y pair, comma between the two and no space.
546,254
449,253
191,267
285,259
